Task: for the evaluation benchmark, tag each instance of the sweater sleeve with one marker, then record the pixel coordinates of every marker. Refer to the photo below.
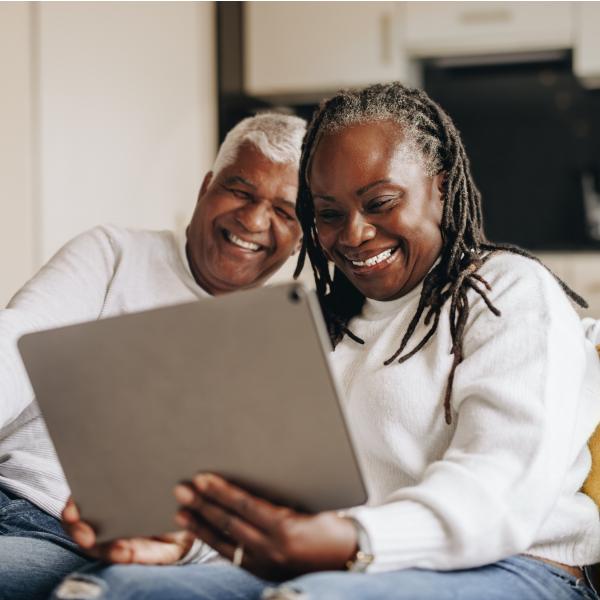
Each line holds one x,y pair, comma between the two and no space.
71,287
519,400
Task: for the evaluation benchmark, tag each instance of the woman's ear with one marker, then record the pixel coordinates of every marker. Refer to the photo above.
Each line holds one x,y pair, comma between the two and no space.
441,184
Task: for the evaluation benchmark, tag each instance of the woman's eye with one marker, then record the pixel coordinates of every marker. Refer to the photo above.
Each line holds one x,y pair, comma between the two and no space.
328,215
381,203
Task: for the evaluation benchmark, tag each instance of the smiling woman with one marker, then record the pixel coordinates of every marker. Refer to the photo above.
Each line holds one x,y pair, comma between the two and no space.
386,194
395,137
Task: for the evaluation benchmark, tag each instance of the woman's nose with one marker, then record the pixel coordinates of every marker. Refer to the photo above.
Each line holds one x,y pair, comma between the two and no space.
356,230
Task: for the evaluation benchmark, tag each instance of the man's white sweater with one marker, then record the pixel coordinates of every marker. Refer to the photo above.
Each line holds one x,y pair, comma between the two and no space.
105,272
504,477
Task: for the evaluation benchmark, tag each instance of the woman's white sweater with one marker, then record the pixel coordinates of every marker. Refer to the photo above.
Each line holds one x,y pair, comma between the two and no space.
504,477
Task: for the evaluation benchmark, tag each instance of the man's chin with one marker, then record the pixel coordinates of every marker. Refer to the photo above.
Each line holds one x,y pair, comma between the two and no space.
225,282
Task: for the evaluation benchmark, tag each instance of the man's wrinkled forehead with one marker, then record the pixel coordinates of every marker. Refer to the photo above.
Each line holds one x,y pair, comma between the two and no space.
248,154
254,172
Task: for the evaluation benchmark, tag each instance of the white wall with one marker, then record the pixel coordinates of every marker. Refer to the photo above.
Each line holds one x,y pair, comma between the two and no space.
127,113
125,118
16,150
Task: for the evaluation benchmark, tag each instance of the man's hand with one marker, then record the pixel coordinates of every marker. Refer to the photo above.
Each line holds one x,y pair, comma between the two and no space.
277,542
162,550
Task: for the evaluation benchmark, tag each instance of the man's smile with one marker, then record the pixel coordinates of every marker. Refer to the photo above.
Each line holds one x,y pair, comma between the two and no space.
241,243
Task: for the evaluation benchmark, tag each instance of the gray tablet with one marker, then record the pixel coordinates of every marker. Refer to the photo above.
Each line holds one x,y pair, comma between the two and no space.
237,385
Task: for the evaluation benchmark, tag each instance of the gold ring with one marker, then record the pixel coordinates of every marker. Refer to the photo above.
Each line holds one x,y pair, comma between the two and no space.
238,556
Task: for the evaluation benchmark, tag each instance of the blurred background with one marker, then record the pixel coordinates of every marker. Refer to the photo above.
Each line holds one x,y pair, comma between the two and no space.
112,112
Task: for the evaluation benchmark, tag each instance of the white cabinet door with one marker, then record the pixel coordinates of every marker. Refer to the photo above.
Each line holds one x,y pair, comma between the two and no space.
463,28
303,47
586,55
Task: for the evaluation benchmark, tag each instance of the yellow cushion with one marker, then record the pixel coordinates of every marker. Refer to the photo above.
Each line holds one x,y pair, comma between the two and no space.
592,484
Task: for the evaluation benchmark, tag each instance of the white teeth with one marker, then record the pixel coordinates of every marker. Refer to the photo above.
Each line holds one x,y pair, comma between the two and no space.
373,260
234,239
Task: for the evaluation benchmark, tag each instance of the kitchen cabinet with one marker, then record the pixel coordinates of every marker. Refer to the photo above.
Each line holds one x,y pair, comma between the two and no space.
586,52
470,28
304,47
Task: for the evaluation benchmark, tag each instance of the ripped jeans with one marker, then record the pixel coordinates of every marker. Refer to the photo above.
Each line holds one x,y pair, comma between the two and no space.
515,578
35,552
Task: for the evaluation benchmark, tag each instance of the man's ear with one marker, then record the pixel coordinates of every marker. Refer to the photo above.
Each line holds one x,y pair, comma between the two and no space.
205,183
298,246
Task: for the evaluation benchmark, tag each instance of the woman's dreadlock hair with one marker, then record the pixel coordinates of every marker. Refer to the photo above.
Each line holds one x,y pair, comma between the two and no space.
465,247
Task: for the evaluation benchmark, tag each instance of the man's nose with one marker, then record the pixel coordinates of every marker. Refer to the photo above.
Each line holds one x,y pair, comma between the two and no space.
255,216
356,230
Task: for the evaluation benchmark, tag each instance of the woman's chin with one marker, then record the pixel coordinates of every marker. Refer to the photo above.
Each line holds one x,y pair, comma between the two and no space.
380,291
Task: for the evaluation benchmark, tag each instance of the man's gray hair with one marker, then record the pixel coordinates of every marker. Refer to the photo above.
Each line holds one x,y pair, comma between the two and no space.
278,137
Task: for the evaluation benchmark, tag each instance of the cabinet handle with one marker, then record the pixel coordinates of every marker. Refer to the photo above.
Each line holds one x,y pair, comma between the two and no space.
482,17
385,26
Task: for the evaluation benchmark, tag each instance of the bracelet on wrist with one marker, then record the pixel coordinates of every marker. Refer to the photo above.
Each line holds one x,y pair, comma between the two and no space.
363,556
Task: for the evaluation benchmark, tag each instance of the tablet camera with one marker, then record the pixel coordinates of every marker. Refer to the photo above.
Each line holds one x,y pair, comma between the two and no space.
295,294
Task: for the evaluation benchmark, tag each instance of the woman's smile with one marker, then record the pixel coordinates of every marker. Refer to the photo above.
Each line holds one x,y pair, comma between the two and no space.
370,263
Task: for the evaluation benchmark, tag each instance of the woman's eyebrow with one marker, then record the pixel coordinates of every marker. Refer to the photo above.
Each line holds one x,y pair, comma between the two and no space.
238,179
366,188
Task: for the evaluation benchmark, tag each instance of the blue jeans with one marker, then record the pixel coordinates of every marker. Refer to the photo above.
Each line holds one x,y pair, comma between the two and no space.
35,552
516,578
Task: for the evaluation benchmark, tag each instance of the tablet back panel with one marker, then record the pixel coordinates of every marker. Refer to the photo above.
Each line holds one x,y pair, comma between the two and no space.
237,385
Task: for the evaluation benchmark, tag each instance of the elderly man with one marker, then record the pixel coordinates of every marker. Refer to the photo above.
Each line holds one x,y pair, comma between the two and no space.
243,229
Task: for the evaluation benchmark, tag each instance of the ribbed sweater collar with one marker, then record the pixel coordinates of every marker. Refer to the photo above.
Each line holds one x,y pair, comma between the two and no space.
379,309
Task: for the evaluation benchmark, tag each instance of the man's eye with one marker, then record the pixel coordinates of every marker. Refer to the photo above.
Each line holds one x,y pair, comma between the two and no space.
285,213
241,194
